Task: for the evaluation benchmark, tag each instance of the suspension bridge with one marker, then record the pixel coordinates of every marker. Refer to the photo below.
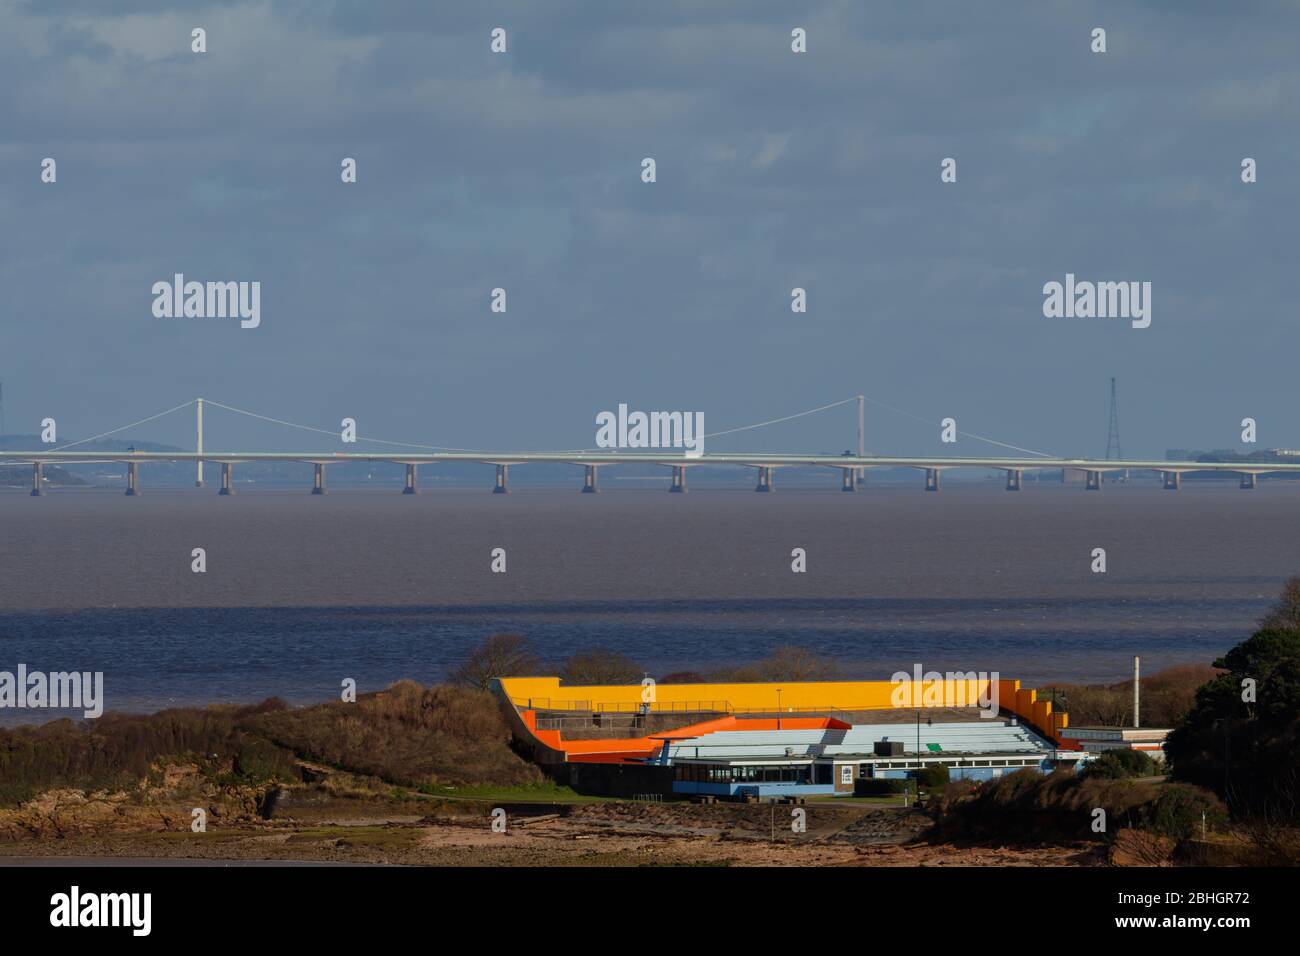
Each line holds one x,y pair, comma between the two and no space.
851,467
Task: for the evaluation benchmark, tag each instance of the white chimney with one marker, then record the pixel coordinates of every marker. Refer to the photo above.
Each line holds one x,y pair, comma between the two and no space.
1136,692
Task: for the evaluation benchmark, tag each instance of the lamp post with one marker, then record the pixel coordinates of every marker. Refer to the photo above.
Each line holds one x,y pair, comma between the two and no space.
929,722
778,708
917,778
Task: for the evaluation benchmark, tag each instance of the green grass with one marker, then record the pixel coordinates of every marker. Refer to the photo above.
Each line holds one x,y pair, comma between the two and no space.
885,800
546,792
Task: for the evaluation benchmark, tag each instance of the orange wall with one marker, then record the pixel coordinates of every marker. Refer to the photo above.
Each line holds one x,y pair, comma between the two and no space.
625,748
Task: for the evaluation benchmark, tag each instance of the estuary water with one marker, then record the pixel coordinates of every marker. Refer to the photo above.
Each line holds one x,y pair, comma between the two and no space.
301,592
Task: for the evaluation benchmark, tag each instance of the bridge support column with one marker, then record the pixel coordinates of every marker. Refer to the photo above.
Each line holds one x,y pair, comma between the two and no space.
227,472
589,481
38,476
1247,481
411,487
502,486
318,481
932,479
132,478
849,479
1173,480
1094,481
764,479
1014,476
679,480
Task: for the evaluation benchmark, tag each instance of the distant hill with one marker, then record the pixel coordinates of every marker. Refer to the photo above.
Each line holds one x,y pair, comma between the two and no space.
20,476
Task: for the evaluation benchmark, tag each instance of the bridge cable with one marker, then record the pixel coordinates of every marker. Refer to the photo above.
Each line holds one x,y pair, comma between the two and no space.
787,418
991,441
326,431
82,441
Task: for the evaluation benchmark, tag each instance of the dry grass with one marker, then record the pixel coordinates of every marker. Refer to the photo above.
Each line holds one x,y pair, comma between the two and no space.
1061,807
408,734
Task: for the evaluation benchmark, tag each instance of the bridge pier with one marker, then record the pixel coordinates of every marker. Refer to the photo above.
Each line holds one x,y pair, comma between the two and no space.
1094,481
502,486
849,479
318,481
1249,481
1014,476
679,480
411,487
1173,480
38,476
132,478
932,479
589,481
764,479
227,472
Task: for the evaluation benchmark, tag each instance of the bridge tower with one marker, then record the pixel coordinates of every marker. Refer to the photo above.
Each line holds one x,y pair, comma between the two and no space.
198,479
862,446
1112,432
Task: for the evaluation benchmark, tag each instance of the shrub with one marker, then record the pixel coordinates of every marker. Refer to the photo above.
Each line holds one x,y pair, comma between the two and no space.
1177,811
881,786
1120,764
259,761
932,777
1061,806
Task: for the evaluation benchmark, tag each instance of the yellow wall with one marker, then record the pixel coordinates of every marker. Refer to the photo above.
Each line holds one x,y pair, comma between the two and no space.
546,693
840,695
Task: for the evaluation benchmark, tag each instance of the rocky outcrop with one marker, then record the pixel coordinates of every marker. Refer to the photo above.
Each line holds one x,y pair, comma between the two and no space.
165,802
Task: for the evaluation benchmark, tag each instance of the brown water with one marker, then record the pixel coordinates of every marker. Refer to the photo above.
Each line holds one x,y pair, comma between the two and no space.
301,592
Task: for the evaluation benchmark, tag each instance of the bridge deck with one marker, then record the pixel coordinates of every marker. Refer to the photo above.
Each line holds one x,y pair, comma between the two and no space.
665,458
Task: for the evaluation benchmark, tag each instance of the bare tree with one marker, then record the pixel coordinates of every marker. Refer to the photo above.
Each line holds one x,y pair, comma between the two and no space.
599,666
1285,615
789,662
501,655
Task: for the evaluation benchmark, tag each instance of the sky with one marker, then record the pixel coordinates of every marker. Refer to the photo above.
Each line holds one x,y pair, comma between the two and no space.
774,170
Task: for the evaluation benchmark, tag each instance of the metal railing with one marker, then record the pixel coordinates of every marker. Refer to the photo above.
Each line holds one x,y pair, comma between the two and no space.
624,707
689,706
666,707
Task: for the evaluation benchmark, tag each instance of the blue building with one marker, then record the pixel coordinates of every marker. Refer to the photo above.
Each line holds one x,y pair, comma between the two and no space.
830,760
